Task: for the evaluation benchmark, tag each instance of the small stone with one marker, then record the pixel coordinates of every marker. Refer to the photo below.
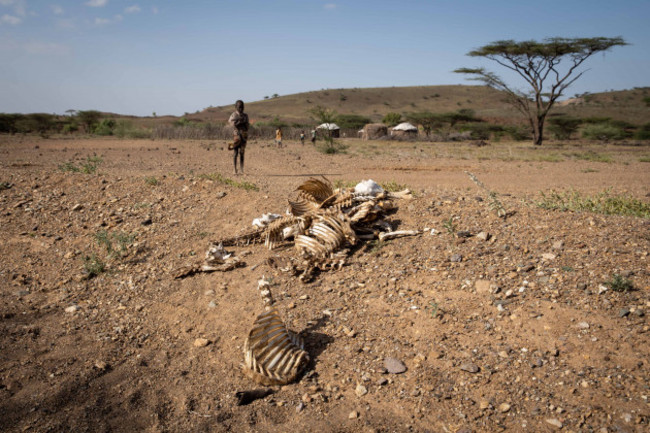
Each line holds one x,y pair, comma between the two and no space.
304,297
212,304
548,256
484,404
349,332
503,354
583,325
394,365
77,207
623,312
639,312
463,234
470,367
220,194
361,390
456,258
300,407
147,221
72,309
383,381
353,415
484,236
554,422
101,365
201,342
504,407
602,289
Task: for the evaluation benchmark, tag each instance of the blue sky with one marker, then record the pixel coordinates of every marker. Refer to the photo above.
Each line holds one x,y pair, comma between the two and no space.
171,57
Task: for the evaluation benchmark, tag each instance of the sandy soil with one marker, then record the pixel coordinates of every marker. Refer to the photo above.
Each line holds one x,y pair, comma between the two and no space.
513,333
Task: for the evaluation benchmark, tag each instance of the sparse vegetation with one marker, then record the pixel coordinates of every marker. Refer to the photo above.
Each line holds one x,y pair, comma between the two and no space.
618,283
151,180
218,177
392,186
116,244
602,203
93,266
89,166
449,226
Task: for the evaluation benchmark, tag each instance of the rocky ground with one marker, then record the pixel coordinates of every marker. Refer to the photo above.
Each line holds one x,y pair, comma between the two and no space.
500,325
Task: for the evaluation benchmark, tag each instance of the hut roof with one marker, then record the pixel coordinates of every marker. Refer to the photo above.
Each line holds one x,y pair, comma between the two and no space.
329,126
405,126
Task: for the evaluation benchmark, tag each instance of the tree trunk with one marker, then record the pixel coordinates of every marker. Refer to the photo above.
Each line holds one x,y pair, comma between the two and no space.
538,131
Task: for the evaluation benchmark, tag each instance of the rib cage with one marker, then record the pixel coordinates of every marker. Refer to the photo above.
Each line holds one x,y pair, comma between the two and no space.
272,354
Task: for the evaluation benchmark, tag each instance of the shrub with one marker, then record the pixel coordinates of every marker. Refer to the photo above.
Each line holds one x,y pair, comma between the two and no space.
643,133
563,127
105,127
604,131
351,121
392,119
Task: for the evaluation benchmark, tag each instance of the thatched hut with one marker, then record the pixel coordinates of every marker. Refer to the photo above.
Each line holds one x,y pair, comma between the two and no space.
374,131
331,128
404,129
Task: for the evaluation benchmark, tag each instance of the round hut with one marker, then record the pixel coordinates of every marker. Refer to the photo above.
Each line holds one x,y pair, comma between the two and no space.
331,128
374,131
404,129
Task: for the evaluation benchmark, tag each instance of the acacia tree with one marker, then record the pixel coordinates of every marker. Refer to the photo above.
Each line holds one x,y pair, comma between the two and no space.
548,67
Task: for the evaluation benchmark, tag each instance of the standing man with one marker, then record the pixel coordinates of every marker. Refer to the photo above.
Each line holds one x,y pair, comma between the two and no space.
239,120
278,136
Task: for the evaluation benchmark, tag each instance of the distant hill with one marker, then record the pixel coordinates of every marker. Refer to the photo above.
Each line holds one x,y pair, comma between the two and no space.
375,103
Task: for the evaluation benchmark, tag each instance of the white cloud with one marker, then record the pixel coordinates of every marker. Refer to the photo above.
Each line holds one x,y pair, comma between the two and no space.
132,9
6,2
57,10
102,21
96,3
329,6
10,19
118,17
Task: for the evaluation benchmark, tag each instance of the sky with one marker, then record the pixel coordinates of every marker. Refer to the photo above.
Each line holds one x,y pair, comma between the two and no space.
141,57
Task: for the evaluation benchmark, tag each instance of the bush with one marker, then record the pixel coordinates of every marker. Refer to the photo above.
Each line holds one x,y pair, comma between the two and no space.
604,131
392,119
643,133
351,121
105,127
563,127
481,131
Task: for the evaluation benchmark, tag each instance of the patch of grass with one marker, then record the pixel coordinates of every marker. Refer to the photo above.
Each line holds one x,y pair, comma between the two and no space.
567,269
590,155
218,177
142,205
618,283
151,180
551,157
392,186
89,166
340,183
93,266
449,225
115,244
433,308
644,159
602,203
589,170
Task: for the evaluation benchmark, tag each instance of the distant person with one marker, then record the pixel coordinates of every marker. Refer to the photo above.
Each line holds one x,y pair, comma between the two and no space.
313,136
278,136
302,137
239,121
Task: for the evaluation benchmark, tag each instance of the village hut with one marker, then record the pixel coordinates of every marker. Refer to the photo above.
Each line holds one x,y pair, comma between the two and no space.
404,129
374,131
331,128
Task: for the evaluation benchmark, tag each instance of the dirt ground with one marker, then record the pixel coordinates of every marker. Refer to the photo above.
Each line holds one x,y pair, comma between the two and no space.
516,332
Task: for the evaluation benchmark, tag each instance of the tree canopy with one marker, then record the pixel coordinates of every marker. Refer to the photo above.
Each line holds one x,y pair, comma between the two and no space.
548,68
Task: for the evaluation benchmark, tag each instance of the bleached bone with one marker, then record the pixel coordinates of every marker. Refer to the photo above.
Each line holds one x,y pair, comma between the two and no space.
397,234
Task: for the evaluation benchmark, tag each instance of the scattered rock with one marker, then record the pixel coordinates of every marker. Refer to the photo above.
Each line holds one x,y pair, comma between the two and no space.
394,365
456,258
583,325
623,312
554,422
72,309
548,256
220,194
383,381
470,367
484,236
201,342
463,234
504,407
483,286
353,415
361,390
147,221
77,207
558,245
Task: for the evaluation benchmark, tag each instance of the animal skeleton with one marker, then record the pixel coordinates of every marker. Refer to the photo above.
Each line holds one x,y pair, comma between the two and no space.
272,354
